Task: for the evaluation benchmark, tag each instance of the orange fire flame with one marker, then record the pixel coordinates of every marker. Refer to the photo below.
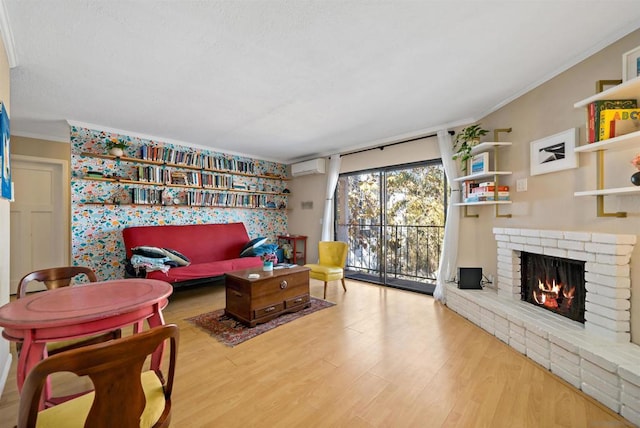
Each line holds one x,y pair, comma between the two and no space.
547,293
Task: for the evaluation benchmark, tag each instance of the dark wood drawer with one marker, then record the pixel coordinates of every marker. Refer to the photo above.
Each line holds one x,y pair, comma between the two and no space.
268,310
297,301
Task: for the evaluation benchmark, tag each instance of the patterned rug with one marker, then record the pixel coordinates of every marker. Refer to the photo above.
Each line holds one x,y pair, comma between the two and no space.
231,332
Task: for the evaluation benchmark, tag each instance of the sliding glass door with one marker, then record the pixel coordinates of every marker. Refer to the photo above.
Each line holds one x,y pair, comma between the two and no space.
393,219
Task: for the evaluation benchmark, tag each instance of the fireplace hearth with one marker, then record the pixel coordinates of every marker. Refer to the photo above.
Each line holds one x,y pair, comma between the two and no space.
554,283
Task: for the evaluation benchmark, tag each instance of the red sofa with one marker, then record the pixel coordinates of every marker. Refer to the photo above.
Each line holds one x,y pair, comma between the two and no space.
213,249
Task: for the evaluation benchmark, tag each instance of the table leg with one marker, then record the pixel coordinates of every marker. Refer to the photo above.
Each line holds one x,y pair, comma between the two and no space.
30,355
155,320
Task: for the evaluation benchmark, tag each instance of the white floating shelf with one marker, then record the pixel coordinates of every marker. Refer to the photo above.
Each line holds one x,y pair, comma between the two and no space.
626,90
460,204
613,191
480,175
627,141
486,146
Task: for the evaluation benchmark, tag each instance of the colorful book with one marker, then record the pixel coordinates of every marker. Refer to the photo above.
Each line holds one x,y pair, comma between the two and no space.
490,189
480,163
594,111
608,118
485,198
483,194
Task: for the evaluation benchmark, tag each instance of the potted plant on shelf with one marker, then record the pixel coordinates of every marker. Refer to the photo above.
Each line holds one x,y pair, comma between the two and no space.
116,146
466,139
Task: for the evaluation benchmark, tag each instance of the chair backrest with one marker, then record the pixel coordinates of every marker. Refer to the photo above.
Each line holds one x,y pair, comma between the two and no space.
115,368
54,277
333,253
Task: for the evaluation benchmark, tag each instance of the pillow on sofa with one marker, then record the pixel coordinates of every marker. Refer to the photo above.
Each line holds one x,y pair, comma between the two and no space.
177,257
265,249
173,256
247,250
151,252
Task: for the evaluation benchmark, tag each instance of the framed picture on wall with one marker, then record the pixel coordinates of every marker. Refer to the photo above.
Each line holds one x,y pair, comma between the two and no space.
631,64
5,158
554,153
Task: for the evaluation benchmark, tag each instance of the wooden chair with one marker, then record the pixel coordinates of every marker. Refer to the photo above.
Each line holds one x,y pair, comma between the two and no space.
125,396
58,277
332,257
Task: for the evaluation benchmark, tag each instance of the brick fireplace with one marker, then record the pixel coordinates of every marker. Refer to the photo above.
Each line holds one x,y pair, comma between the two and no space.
597,356
606,257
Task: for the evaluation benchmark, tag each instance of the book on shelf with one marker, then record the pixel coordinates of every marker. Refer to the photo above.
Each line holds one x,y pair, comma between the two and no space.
609,117
468,187
483,194
479,163
490,188
476,198
594,110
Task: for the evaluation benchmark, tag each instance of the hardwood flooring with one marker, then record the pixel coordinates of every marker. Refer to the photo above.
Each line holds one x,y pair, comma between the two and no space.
379,358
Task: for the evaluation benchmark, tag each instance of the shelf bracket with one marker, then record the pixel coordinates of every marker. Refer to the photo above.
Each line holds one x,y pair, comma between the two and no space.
600,186
466,213
496,137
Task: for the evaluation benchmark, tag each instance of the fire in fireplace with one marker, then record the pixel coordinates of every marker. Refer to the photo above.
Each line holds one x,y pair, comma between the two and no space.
554,283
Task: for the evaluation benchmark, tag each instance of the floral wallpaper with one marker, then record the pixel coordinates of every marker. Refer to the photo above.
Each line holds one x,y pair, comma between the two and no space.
101,209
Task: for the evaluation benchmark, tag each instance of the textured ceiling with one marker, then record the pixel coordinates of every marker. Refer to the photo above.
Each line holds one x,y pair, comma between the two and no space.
289,80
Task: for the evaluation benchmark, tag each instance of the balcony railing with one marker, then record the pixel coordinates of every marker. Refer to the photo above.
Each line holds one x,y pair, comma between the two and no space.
397,251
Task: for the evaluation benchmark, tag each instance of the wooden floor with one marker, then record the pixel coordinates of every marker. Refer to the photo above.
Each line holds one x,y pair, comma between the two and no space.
379,358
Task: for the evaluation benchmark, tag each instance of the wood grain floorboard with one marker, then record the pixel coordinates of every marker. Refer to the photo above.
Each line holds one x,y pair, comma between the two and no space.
379,358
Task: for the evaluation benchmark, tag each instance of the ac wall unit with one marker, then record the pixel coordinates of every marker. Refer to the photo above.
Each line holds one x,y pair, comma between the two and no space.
314,166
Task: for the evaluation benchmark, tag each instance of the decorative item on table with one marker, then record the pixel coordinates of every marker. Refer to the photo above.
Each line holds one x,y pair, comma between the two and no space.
268,260
635,178
116,146
466,139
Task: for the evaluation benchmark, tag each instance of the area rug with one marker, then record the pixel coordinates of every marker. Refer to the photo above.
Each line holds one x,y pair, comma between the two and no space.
231,332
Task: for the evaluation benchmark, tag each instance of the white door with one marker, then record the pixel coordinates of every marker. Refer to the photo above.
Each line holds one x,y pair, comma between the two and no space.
39,219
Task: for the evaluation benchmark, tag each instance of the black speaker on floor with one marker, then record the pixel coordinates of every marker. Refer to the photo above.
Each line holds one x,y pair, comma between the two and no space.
470,278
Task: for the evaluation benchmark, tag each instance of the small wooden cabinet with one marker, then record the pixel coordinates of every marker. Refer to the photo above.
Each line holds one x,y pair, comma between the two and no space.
257,300
298,245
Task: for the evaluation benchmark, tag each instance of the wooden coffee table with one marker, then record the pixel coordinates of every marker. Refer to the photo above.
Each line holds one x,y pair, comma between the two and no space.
257,300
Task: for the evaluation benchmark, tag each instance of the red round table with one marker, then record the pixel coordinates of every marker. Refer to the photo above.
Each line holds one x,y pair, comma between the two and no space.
81,310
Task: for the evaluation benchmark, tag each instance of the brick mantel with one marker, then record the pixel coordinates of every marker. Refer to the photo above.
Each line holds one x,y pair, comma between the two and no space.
607,271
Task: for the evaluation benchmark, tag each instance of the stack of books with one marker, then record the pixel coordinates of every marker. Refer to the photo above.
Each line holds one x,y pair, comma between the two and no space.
486,191
603,115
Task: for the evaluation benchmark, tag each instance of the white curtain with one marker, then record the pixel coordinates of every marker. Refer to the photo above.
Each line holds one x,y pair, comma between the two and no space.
449,255
332,182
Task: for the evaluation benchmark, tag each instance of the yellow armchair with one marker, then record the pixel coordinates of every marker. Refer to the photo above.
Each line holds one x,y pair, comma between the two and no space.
332,257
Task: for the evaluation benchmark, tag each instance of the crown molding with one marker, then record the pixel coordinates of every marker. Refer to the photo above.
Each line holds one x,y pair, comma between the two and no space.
7,36
36,136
